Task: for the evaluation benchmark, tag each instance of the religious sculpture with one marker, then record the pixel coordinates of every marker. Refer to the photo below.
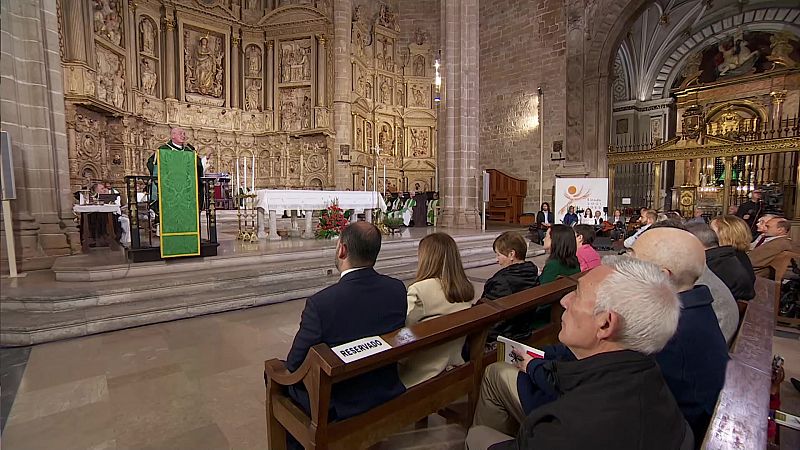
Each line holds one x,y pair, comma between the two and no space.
781,49
148,34
149,77
419,142
400,96
295,109
253,61
420,36
399,139
385,138
295,61
204,66
387,18
252,95
419,66
419,96
386,92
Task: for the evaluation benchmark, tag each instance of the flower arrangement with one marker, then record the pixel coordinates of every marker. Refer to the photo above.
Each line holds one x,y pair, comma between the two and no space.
332,221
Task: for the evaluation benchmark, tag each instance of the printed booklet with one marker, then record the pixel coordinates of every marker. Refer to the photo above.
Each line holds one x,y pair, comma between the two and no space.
506,345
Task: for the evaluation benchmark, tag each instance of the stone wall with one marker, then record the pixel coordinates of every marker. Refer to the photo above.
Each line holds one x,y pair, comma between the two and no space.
522,47
419,15
32,112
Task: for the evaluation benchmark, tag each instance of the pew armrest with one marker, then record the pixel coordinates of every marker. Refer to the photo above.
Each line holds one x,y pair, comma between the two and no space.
275,370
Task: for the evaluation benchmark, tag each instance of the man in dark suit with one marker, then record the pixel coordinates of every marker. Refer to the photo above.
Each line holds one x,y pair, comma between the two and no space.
363,303
752,210
544,219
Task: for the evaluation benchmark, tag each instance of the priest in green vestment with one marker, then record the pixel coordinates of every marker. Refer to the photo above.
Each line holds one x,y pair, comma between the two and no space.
177,195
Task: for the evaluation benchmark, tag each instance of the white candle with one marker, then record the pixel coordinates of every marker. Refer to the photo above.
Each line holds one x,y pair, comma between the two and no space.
244,160
237,177
253,168
384,179
365,178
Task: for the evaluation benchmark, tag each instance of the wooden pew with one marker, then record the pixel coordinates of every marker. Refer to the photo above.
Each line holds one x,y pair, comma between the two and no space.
740,417
322,369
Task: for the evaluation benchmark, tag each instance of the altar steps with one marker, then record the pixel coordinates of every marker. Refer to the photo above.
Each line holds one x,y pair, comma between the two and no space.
162,292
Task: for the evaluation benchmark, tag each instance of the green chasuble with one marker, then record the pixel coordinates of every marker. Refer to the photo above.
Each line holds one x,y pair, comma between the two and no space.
178,202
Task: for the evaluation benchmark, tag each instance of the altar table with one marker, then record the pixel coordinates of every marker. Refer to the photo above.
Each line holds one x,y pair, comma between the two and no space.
276,202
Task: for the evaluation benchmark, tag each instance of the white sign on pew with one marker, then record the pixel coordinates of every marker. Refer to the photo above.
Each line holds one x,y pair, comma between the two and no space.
361,348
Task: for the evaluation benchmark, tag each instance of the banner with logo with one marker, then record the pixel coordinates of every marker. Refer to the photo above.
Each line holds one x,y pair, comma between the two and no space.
581,193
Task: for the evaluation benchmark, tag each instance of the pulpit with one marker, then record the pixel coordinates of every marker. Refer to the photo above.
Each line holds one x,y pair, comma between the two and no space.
506,197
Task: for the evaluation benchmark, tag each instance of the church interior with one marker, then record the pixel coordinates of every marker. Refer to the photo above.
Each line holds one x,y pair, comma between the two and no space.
178,178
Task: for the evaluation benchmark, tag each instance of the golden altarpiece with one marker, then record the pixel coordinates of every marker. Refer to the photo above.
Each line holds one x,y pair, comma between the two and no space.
737,130
246,78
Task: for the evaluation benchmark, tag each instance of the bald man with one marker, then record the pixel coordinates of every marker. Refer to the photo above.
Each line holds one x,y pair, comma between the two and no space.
777,241
693,362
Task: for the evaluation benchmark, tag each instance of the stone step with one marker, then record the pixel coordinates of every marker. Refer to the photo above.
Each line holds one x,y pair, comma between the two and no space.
76,315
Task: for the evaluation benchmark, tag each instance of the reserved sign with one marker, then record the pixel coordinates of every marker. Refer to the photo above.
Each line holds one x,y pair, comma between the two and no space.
361,348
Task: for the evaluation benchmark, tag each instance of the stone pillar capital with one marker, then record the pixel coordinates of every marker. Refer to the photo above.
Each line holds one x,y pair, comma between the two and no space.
321,39
778,96
169,23
235,40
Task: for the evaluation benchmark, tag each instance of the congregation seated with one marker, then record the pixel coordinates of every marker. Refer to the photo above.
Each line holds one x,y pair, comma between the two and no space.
570,218
600,389
761,228
647,218
693,362
775,241
362,303
515,275
733,231
724,261
561,244
441,287
588,258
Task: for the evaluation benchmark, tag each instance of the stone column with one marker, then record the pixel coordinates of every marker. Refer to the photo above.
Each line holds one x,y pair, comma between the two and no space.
322,78
169,61
269,87
343,75
778,97
235,70
74,28
32,112
458,115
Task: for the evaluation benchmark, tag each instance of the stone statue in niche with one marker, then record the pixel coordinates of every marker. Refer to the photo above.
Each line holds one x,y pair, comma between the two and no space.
148,37
149,77
368,92
107,20
386,92
118,88
388,51
400,96
360,85
204,66
253,61
419,66
305,112
399,139
359,139
295,61
368,135
387,18
385,138
252,96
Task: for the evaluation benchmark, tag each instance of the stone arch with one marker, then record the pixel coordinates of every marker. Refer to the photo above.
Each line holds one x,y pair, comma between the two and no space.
315,183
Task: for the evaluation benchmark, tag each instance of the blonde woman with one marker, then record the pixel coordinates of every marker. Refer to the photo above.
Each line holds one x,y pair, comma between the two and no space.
441,287
733,231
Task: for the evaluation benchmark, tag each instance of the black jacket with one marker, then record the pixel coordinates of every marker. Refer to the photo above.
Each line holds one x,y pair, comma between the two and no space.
727,265
510,280
363,303
754,211
616,400
540,218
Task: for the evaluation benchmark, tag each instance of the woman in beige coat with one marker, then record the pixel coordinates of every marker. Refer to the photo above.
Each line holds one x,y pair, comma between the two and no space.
441,287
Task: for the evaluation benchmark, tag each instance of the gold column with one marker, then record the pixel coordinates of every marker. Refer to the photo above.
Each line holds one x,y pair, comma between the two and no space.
778,97
726,193
169,63
657,200
235,69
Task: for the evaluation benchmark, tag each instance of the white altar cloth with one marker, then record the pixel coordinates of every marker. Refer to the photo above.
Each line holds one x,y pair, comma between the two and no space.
96,208
274,202
282,200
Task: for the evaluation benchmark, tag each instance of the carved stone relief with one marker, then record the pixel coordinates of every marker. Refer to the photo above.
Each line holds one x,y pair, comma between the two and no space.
419,66
619,85
204,57
384,54
386,89
386,138
388,18
368,136
295,109
419,95
107,16
419,145
295,61
111,77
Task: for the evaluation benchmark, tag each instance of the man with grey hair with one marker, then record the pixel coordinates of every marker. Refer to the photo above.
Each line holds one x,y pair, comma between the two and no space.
693,362
598,388
723,261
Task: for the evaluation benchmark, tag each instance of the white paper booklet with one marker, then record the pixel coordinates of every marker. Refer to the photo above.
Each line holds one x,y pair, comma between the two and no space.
787,420
506,346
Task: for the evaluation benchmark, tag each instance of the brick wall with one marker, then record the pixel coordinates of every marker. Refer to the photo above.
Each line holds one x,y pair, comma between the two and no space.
522,47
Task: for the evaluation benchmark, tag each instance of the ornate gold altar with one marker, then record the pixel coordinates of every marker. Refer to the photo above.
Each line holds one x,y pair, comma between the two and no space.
737,131
246,78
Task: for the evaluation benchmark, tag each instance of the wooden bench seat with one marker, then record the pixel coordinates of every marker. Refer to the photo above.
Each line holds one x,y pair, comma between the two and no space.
322,369
740,417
